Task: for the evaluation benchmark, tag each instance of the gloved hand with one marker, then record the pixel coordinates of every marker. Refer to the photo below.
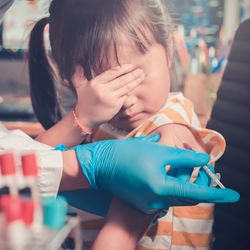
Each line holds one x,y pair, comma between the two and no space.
98,201
134,171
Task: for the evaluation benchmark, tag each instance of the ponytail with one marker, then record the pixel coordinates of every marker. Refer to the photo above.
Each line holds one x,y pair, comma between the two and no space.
42,88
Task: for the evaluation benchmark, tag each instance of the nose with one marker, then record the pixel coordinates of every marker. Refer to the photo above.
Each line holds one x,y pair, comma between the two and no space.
130,102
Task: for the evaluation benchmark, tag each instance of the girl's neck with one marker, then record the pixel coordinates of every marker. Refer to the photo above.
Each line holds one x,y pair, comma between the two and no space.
117,130
107,131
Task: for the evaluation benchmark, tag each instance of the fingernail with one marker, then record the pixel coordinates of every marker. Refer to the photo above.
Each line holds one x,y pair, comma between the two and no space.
187,146
142,76
139,72
168,167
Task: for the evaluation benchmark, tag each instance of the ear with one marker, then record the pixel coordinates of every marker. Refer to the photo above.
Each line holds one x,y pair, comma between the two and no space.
78,79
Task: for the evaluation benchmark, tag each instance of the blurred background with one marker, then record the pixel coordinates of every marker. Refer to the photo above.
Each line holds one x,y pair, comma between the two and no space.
204,31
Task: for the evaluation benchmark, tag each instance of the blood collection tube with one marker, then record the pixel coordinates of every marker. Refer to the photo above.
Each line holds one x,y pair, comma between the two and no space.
30,173
4,190
8,170
31,192
28,208
16,236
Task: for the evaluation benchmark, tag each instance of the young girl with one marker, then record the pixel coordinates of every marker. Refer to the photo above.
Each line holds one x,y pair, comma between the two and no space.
133,37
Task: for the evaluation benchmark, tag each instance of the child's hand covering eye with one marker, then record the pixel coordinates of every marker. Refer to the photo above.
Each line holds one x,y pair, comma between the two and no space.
101,98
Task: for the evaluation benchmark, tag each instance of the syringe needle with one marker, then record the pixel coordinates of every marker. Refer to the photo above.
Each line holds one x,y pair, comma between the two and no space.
213,177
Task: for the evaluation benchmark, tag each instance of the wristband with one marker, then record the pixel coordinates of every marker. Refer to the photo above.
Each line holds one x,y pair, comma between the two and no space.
84,130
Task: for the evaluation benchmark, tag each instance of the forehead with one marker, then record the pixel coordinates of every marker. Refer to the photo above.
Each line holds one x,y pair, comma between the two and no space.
126,51
126,46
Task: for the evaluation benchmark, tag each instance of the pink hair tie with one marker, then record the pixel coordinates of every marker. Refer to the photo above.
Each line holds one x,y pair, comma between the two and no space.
84,130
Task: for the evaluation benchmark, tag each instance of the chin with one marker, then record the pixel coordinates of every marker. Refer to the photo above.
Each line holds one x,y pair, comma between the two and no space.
126,125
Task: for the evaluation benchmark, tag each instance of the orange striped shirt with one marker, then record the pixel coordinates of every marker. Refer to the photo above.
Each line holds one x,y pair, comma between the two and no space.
182,228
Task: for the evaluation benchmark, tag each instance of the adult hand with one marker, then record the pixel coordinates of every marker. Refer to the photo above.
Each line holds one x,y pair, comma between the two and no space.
98,201
135,171
105,94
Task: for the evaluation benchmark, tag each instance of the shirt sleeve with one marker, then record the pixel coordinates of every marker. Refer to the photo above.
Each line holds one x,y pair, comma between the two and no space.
49,160
4,6
51,166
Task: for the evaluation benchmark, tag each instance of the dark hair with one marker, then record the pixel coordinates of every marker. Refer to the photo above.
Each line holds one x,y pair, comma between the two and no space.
82,32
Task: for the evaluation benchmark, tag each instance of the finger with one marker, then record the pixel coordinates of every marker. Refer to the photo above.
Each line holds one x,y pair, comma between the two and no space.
131,78
184,158
127,89
113,73
183,174
79,79
148,138
199,193
203,178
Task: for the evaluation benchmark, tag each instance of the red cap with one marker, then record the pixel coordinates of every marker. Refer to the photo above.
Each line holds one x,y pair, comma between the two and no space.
29,165
12,208
8,165
28,208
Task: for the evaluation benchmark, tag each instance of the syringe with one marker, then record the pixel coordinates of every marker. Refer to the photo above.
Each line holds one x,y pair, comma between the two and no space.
213,177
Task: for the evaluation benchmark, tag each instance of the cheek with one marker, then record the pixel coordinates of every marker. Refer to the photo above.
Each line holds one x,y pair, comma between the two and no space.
159,88
160,97
154,96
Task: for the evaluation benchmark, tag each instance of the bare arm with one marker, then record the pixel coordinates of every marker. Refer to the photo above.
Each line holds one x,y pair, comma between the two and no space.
123,229
179,136
72,176
126,225
64,132
99,100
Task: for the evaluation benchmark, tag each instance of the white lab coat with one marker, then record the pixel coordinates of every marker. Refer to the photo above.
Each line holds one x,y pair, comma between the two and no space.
49,160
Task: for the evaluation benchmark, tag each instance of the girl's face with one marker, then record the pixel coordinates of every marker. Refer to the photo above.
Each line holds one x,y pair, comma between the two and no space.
152,94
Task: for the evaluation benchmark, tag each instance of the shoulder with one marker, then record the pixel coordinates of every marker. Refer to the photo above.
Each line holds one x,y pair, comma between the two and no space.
177,135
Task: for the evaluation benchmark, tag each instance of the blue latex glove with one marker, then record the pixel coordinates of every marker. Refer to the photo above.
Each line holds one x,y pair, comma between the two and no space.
98,201
134,171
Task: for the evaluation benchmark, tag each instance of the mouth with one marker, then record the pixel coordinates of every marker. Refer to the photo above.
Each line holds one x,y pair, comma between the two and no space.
134,118
130,118
127,122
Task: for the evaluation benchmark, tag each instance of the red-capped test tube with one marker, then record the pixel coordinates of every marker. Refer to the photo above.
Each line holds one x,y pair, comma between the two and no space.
9,171
30,172
4,190
16,236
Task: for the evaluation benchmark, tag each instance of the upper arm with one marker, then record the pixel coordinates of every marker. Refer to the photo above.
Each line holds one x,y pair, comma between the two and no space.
176,135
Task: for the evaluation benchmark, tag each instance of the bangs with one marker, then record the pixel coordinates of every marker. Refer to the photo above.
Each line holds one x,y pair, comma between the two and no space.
97,31
108,33
105,52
